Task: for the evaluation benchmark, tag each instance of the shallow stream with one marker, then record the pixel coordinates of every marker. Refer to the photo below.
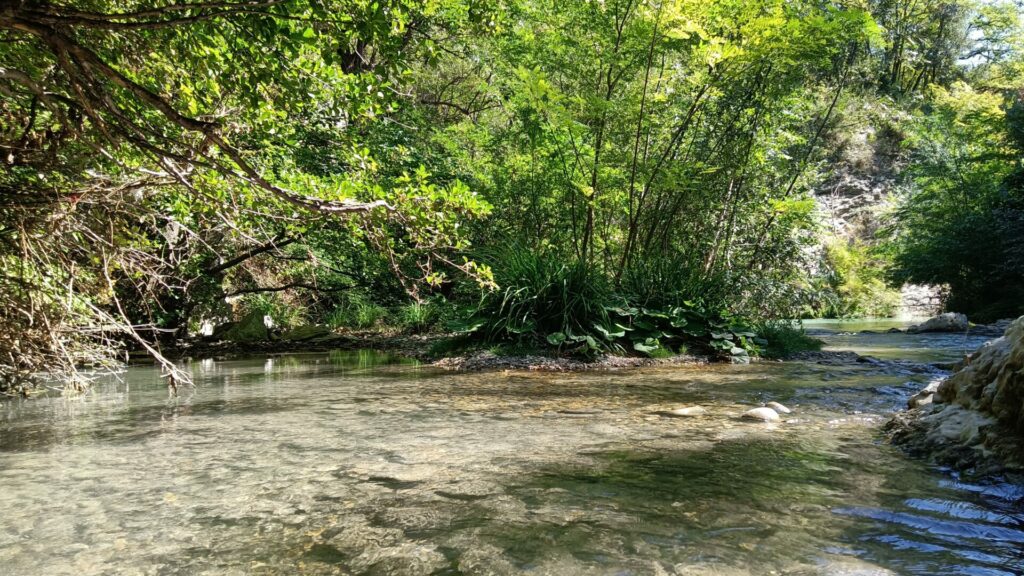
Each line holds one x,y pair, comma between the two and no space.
357,463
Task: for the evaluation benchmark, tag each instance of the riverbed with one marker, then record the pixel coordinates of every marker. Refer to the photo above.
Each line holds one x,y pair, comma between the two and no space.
362,463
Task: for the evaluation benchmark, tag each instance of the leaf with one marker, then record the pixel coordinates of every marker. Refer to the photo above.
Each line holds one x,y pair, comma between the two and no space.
643,325
647,346
609,333
468,326
556,338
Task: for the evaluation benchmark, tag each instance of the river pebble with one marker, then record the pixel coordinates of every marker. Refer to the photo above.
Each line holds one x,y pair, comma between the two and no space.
685,412
761,414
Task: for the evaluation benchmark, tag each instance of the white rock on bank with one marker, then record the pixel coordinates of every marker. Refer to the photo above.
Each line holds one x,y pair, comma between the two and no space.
925,396
778,407
761,414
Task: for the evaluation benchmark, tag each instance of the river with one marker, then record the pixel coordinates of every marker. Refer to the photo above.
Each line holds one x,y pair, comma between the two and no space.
359,463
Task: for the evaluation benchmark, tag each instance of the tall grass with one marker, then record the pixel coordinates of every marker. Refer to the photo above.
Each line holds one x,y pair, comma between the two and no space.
356,310
784,338
539,295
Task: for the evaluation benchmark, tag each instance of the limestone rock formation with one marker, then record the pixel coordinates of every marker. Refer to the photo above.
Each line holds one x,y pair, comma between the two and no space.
948,322
976,418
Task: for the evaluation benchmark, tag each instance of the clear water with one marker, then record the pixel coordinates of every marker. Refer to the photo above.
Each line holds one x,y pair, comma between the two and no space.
355,463
869,338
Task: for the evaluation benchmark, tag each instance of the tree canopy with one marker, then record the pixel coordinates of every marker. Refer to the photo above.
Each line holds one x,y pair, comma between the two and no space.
167,164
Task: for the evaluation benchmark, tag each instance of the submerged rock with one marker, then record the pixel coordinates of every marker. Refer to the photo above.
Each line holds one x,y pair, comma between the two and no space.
684,412
976,416
948,322
778,407
762,415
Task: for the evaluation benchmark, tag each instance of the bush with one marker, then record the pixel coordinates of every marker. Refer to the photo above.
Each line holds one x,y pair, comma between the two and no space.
356,311
656,282
573,307
854,284
539,296
781,339
285,314
417,317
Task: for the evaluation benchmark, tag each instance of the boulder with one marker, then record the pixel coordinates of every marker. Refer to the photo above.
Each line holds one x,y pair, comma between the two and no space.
761,415
306,332
778,407
253,327
976,416
218,331
948,322
925,396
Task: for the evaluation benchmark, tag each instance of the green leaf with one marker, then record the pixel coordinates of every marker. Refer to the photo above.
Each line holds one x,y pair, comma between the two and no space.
648,346
609,333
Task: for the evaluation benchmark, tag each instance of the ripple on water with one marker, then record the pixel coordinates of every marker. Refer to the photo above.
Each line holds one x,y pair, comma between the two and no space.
328,464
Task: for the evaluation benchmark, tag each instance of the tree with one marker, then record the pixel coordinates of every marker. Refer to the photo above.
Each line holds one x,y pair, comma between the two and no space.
123,120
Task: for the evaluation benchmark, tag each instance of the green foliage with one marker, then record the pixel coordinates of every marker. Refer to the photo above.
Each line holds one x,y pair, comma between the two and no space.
356,310
781,339
962,218
855,283
570,307
538,294
285,314
656,162
418,317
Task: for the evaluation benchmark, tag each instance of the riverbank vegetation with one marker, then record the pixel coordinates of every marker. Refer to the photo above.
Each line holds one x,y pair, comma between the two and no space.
631,177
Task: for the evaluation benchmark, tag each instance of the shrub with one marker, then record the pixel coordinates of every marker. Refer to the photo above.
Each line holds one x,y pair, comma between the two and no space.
855,284
417,317
284,313
780,339
573,307
540,296
356,311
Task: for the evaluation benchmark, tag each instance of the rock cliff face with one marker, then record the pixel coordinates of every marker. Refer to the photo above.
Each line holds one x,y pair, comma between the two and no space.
860,188
976,417
920,301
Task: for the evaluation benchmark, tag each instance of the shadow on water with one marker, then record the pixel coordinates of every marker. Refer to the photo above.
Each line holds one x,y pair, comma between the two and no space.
712,506
759,504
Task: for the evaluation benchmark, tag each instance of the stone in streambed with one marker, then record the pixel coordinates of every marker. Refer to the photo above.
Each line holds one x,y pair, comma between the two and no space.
684,412
761,414
778,407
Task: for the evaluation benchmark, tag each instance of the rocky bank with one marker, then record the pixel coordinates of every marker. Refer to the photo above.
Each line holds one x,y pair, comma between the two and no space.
975,418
